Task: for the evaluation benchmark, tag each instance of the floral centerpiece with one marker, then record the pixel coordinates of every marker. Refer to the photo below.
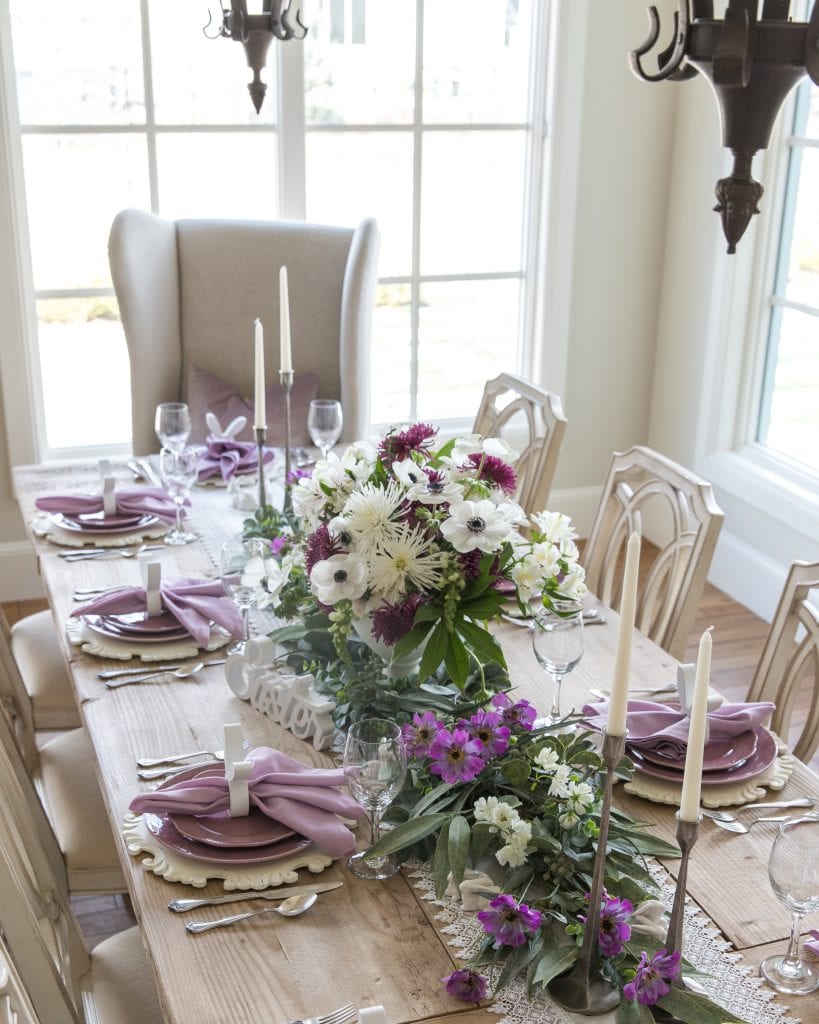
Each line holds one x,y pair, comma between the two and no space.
410,549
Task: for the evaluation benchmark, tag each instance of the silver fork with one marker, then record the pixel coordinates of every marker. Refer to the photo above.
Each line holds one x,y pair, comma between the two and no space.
740,828
803,801
342,1015
152,762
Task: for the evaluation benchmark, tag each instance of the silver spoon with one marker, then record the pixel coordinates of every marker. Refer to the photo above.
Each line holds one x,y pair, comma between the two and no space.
740,827
291,907
180,673
804,801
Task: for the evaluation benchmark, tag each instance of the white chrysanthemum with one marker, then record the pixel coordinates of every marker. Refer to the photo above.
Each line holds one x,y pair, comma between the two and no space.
339,576
547,759
476,525
267,578
408,473
573,585
560,781
554,526
405,557
371,513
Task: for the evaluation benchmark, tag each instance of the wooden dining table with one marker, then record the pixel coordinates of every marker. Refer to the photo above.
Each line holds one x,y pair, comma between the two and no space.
367,943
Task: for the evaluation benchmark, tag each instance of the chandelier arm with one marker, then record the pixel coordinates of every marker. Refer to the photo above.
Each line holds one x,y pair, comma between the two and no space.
734,54
221,31
676,50
288,29
238,20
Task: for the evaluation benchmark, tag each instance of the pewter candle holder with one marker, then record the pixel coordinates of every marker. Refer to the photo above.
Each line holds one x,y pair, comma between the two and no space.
286,378
687,834
583,990
261,435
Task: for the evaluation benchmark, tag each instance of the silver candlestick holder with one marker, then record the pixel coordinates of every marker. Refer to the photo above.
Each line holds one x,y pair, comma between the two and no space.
584,990
687,834
286,378
261,436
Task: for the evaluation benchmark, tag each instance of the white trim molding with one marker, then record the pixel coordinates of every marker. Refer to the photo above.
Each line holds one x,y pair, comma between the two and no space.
19,573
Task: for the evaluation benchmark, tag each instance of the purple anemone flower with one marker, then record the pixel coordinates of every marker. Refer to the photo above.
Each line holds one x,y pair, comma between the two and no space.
653,976
419,734
456,756
614,927
509,921
517,715
467,985
488,727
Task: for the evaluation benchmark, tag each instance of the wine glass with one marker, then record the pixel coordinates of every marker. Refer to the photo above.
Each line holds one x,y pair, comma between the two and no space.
173,425
324,421
178,470
557,639
793,868
375,763
236,553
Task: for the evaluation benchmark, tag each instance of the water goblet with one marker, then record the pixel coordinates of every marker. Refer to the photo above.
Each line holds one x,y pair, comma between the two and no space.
178,470
234,558
793,869
173,425
375,763
557,639
324,421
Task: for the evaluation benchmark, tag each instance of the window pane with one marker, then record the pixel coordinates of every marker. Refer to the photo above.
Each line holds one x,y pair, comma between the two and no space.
228,174
803,265
390,358
75,335
793,427
353,175
472,202
78,63
359,62
468,334
75,185
198,80
476,61
812,128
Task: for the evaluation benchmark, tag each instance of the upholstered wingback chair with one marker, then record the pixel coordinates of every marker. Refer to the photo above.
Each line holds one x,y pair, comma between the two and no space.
190,290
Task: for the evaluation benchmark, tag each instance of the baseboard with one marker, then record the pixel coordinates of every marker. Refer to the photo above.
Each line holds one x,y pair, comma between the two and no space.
745,575
19,578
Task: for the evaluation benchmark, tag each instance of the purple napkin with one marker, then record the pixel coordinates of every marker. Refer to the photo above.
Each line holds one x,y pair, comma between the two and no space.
136,501
813,942
225,457
653,726
298,796
193,603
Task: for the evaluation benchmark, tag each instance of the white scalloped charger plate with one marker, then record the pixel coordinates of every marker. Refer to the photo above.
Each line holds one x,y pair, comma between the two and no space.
44,527
104,647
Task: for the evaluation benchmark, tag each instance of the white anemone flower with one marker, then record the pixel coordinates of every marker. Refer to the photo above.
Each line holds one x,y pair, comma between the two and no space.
477,525
474,444
436,490
409,473
338,577
371,514
469,444
404,558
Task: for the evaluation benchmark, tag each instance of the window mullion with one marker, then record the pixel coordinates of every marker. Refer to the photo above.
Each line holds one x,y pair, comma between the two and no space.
150,113
417,167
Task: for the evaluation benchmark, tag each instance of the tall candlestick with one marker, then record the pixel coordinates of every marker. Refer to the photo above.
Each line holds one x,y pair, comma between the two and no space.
692,776
285,355
260,410
618,701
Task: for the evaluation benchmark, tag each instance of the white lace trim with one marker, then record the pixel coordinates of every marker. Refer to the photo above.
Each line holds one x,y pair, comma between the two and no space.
731,984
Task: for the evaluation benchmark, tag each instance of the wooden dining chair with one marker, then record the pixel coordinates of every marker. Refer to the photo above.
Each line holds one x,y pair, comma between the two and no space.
62,793
47,974
531,420
648,493
31,651
789,664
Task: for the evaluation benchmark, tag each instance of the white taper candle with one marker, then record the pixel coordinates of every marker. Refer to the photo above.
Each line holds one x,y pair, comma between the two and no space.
692,777
259,408
618,701
285,354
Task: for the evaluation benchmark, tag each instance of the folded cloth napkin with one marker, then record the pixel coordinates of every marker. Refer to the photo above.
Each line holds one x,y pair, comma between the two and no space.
653,726
812,944
193,603
225,457
134,501
292,793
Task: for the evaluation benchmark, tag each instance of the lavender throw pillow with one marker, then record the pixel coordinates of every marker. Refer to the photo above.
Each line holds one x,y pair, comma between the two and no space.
208,393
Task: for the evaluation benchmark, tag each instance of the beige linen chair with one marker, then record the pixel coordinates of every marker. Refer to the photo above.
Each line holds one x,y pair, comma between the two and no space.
190,290
62,792
790,659
47,975
30,650
531,420
645,491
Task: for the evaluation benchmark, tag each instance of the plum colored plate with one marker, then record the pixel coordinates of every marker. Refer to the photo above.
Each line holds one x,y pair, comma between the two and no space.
97,624
101,521
142,622
162,828
88,525
762,758
717,756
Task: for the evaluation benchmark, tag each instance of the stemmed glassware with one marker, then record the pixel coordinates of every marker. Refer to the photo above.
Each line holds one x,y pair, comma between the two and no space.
173,425
375,763
557,639
178,470
793,868
236,553
324,421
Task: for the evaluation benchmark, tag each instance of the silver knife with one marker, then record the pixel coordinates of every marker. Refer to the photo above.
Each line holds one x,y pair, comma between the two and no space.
180,906
146,667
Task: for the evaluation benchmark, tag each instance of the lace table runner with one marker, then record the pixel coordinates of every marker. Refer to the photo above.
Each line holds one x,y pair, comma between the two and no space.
730,985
